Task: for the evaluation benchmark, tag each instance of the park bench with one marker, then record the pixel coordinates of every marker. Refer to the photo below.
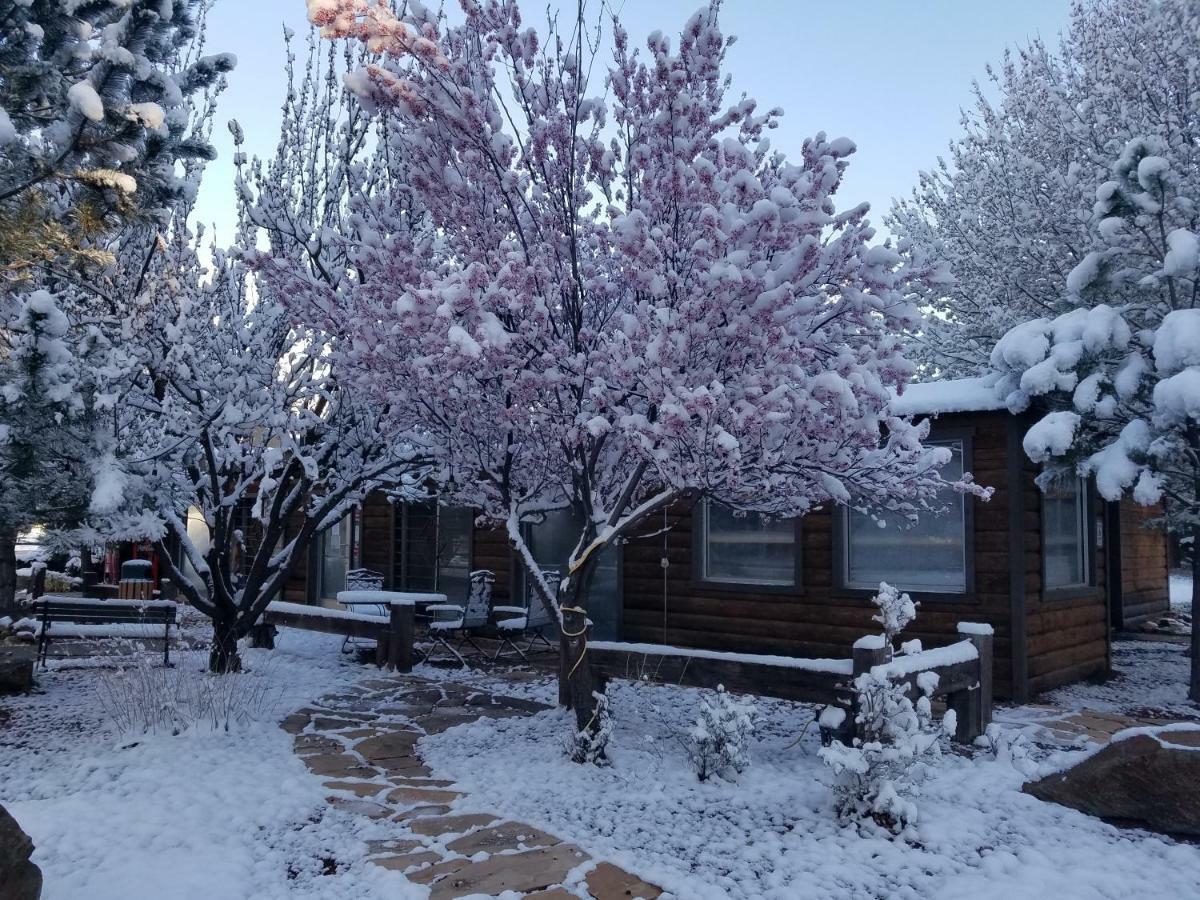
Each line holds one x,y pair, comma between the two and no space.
89,617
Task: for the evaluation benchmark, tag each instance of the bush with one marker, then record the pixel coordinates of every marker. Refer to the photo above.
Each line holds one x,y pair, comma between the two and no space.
878,771
718,744
148,698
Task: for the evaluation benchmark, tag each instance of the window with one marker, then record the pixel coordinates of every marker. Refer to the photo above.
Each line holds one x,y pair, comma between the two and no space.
1064,534
432,549
747,548
336,547
930,555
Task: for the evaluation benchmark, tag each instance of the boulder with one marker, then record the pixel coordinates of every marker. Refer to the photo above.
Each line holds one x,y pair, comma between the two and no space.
20,879
16,667
1148,777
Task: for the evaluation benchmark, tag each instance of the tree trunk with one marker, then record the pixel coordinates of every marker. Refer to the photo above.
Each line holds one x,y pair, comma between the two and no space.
1194,687
8,571
577,682
223,654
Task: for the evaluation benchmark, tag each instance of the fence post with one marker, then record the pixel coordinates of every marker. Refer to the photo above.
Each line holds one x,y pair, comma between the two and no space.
869,651
973,707
402,628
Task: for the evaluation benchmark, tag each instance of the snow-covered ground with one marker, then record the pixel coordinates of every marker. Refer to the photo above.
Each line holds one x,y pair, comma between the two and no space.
775,835
201,814
1181,592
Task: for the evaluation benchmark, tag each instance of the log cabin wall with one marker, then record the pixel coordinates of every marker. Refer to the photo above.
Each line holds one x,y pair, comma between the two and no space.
1067,630
1144,566
818,618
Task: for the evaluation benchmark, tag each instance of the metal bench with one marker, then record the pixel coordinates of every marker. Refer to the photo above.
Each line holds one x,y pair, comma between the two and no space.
87,617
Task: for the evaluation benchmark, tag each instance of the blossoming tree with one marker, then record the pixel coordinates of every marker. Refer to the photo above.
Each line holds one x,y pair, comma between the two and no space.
615,303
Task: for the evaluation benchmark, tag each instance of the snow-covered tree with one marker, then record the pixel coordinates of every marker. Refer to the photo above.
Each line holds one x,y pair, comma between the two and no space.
103,122
879,770
238,415
718,743
244,424
613,301
1009,209
1118,376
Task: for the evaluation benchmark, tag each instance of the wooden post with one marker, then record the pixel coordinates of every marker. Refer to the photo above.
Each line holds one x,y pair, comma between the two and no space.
973,707
402,628
869,651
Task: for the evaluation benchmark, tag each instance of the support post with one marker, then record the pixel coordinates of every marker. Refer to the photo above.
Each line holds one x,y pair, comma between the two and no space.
869,651
402,628
973,707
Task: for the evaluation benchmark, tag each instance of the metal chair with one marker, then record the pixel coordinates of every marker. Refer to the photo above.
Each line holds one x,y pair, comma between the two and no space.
450,618
362,580
525,621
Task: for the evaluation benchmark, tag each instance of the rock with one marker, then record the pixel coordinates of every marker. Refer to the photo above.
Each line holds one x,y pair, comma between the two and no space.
16,667
20,879
1145,776
608,882
532,870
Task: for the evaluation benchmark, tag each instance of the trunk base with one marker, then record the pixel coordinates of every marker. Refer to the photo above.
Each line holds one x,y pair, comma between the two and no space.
223,656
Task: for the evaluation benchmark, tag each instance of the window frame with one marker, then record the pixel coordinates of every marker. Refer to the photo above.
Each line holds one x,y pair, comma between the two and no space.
1087,546
700,551
841,556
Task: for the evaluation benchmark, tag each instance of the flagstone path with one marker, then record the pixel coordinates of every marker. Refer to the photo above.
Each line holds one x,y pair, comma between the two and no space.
362,742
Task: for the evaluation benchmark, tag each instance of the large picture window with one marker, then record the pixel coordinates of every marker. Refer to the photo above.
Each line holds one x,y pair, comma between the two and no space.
928,556
747,548
1064,534
432,549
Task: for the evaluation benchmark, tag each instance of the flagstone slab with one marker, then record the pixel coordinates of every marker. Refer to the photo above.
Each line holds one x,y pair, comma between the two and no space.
358,788
420,812
439,825
531,870
399,845
554,893
388,745
436,871
407,860
411,796
505,836
309,744
609,882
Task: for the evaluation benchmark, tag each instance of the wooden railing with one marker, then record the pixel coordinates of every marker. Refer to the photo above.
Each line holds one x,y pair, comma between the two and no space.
964,671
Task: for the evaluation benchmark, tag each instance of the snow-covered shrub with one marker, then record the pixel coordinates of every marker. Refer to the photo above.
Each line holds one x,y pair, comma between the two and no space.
148,698
718,742
896,611
877,772
589,744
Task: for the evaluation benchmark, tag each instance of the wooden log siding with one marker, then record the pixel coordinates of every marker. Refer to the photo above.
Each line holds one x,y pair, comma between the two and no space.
1144,565
817,619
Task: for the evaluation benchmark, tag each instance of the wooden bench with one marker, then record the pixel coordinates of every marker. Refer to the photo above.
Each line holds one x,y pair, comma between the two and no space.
89,617
394,634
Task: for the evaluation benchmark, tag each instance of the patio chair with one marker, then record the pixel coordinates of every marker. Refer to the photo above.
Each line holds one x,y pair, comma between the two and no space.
450,619
361,580
524,621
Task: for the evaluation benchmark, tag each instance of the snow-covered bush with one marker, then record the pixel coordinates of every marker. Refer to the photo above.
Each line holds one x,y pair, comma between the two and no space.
718,742
896,611
878,771
148,698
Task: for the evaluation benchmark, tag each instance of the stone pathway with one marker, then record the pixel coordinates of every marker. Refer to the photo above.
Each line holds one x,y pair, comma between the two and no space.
1095,726
362,741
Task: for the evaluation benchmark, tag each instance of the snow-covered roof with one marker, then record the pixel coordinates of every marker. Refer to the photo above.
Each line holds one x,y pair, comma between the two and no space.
952,395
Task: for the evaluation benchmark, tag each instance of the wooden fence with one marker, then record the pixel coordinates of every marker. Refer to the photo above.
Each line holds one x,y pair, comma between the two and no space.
964,671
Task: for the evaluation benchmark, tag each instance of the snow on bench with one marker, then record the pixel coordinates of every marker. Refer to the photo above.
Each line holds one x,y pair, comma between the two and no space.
66,599
323,612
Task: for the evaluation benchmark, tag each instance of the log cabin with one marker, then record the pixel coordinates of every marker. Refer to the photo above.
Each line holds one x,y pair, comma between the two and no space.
1054,572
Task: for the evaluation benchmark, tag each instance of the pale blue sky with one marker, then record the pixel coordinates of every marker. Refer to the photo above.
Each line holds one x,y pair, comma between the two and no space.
889,74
